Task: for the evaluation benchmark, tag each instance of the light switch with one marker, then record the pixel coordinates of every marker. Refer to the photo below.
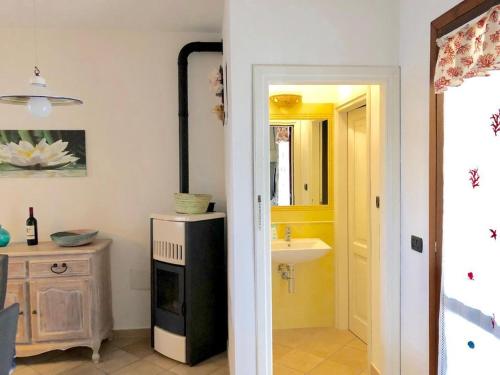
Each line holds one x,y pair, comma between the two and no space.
417,244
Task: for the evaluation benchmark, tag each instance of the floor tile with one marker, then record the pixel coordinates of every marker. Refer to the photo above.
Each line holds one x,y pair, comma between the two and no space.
203,368
139,368
300,360
218,360
354,358
282,370
279,351
84,369
116,360
24,370
140,349
161,361
357,344
324,344
120,342
291,337
333,368
341,336
63,362
222,371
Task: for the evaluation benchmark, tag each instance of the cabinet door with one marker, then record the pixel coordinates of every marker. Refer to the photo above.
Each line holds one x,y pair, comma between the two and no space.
60,309
16,293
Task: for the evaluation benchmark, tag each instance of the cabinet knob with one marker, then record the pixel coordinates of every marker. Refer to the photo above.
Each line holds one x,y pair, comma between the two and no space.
21,312
34,312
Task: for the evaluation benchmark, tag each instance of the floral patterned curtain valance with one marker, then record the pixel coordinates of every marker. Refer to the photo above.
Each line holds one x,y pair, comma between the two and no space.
471,51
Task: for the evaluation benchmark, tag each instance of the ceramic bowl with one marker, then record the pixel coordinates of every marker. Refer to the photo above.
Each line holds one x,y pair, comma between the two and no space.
78,237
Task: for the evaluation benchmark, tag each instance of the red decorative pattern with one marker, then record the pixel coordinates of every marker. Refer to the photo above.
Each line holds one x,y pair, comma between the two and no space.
495,122
474,177
470,52
493,234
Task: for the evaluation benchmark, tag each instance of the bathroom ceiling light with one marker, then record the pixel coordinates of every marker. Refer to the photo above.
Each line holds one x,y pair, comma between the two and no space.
37,97
286,100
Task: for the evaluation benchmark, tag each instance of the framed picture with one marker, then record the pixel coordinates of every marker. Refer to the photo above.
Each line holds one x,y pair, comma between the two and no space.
42,153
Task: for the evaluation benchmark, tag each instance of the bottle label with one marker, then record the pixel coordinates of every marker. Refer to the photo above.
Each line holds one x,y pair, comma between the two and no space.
30,232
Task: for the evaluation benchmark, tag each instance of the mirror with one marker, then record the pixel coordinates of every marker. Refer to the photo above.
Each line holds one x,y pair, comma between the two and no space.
299,162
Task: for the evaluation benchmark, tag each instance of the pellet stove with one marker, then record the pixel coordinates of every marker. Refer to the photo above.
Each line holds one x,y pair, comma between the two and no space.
188,286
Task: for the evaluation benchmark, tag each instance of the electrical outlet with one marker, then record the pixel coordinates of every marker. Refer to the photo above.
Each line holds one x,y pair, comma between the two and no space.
417,244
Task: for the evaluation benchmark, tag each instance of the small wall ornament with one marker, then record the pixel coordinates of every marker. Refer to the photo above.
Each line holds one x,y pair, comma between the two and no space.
216,80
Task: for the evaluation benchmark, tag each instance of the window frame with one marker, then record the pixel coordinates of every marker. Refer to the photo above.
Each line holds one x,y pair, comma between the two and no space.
451,20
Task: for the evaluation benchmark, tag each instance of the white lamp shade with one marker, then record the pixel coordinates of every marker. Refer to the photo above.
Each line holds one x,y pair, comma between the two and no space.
38,89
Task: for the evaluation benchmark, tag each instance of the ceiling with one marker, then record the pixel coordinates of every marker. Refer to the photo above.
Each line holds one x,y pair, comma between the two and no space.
164,15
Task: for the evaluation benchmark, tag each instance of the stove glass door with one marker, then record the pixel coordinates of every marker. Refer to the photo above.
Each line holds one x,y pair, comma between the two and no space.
169,297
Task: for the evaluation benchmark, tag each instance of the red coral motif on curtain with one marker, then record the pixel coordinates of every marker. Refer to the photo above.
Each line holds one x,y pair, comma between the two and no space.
469,52
474,177
495,122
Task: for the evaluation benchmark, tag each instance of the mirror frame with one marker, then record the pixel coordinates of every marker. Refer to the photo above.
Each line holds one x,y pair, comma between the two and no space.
309,111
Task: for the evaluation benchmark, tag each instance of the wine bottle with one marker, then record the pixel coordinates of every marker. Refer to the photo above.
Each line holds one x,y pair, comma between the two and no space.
31,229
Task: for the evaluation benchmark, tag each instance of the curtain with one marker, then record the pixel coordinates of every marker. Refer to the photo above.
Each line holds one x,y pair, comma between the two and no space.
471,51
282,134
470,300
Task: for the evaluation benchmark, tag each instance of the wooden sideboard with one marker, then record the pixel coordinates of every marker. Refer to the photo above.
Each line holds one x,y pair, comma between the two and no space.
64,295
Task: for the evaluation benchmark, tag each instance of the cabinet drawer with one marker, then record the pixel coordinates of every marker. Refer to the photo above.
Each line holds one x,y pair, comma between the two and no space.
17,269
59,267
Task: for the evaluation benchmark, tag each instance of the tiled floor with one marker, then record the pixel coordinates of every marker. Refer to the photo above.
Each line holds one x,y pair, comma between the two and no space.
311,351
318,351
124,355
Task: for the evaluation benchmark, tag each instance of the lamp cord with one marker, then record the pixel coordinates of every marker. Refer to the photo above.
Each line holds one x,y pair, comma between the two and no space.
35,35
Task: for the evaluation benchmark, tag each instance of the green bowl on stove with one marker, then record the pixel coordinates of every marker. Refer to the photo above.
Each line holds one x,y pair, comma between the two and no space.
71,238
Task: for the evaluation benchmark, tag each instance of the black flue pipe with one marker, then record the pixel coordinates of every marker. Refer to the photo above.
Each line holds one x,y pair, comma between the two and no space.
182,63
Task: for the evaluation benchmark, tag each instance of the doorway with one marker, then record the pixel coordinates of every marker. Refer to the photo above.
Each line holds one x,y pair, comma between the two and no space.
387,104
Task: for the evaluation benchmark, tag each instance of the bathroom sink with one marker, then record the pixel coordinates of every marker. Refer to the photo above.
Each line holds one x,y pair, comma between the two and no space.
298,250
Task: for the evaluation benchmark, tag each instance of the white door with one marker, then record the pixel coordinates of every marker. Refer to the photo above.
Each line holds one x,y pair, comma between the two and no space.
358,184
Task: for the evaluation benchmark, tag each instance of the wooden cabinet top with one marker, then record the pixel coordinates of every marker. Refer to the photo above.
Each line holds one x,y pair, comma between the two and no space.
21,249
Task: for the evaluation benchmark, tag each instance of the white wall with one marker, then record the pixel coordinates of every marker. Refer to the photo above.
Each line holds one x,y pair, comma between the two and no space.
128,81
319,32
414,58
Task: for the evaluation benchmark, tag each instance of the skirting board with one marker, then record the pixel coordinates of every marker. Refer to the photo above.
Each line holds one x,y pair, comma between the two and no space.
374,370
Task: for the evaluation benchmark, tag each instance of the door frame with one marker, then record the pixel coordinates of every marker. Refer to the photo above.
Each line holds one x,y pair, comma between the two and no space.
453,19
388,78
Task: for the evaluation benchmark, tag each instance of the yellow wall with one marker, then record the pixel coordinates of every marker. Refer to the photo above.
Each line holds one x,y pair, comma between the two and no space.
312,304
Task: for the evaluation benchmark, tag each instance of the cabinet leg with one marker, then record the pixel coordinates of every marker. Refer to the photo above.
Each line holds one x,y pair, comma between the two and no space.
95,354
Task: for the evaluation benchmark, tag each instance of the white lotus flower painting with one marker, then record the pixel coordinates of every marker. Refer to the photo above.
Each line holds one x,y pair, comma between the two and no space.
42,153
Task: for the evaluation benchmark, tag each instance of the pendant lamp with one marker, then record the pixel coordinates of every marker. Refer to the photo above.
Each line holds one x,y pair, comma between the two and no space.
37,98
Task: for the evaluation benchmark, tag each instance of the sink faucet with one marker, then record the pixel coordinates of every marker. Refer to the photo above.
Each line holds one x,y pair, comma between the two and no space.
288,233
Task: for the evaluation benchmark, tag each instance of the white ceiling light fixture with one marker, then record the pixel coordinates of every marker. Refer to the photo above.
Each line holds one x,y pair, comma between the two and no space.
37,98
